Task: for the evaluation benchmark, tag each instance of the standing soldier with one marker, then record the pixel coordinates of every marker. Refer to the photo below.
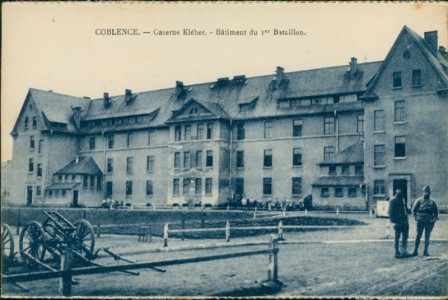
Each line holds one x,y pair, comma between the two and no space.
399,217
426,214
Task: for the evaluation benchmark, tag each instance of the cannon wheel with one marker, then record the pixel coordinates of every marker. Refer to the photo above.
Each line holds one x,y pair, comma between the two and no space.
7,242
84,240
32,241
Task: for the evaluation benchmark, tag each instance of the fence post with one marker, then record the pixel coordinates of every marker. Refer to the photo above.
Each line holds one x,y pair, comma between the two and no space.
165,235
18,221
284,211
228,207
280,230
255,212
227,231
273,260
337,211
65,282
98,231
154,207
306,212
183,226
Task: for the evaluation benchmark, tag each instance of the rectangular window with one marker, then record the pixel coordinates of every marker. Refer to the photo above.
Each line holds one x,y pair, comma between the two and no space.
34,122
379,120
187,133
240,131
27,120
328,152
239,186
32,142
149,190
329,125
150,163
396,76
99,183
64,193
352,191
209,159
296,186
359,170
150,138
92,143
176,160
177,133
109,189
267,130
379,155
416,77
38,191
198,159
379,188
209,131
128,187
110,165
85,181
39,170
400,146
345,170
31,165
110,141
400,111
338,192
40,146
129,139
325,192
360,123
332,170
92,182
187,160
176,189
267,159
186,185
60,178
297,157
208,186
267,186
297,127
129,165
240,159
200,132
198,186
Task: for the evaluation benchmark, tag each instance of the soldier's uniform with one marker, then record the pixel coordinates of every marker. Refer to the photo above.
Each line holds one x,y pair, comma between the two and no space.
399,217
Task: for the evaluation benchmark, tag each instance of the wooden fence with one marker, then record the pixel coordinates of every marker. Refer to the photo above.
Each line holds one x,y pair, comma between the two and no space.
66,273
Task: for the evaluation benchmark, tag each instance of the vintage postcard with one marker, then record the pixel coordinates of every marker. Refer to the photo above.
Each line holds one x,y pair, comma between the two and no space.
224,149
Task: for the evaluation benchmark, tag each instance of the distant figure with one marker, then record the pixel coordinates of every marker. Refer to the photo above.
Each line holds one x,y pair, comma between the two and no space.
399,217
244,202
426,214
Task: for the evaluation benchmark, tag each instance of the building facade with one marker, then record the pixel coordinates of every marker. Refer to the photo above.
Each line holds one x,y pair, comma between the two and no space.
347,135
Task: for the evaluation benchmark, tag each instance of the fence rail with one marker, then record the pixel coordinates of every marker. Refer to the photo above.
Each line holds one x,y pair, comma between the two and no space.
67,273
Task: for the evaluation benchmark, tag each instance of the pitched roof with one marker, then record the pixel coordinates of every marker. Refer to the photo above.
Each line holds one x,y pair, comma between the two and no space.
81,165
353,154
338,180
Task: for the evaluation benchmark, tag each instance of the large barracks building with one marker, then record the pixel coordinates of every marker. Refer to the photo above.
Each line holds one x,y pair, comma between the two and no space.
347,135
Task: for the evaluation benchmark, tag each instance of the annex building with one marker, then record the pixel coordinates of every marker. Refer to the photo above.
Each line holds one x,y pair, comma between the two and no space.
347,135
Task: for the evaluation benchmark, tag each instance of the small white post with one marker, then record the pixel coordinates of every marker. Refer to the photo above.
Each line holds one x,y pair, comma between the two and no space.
227,231
306,212
255,212
337,211
154,207
165,235
228,207
280,230
284,211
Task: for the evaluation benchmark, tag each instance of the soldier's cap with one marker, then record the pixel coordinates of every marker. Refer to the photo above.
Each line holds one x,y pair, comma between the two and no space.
427,189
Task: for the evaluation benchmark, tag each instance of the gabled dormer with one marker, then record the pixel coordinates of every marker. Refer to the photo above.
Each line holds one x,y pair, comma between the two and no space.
195,109
413,65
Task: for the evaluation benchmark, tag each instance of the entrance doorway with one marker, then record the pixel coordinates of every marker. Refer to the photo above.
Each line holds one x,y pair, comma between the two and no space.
75,199
401,184
29,196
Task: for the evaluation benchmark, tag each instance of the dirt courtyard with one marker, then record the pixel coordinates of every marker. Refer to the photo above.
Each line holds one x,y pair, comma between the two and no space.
356,261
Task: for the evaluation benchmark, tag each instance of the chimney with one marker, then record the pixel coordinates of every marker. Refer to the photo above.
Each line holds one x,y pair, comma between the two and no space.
442,49
127,96
353,67
179,87
431,41
77,116
106,100
280,71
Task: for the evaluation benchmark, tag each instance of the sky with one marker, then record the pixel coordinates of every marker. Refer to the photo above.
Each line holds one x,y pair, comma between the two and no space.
54,46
